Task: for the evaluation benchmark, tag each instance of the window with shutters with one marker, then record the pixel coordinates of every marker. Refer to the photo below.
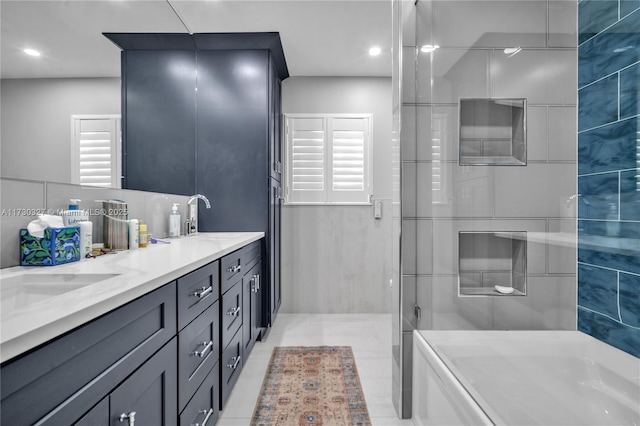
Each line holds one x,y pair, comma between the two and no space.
95,150
328,158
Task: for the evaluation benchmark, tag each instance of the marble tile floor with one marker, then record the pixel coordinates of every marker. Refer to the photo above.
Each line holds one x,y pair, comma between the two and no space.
368,334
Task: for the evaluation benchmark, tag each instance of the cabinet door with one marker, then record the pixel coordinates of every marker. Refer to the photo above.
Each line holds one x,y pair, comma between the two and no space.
198,352
66,377
274,294
159,120
148,396
275,125
231,313
97,416
251,306
203,408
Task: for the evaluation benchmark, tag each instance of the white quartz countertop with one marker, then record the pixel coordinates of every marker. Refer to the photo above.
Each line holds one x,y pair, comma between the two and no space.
26,322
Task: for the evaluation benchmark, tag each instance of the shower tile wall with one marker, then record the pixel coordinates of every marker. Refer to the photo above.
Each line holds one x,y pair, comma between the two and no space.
608,172
440,198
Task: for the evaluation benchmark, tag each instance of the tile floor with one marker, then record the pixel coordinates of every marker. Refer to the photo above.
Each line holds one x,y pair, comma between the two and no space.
368,334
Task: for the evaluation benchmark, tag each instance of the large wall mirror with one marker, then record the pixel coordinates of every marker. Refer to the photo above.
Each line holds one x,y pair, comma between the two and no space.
60,110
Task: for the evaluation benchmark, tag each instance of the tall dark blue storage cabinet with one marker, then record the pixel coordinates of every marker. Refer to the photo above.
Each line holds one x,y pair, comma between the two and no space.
202,114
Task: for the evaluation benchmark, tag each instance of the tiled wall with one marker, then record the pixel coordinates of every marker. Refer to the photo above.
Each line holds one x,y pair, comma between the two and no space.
441,198
609,172
20,198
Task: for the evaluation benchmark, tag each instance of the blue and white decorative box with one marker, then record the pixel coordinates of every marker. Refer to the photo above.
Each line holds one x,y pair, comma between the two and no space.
57,246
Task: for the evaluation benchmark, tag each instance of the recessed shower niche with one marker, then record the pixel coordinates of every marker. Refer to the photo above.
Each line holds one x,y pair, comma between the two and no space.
492,263
493,132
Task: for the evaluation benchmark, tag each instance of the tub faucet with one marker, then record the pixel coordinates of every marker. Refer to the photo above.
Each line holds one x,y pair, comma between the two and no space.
192,222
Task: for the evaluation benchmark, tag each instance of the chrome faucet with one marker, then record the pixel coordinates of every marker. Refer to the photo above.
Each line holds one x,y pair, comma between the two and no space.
192,222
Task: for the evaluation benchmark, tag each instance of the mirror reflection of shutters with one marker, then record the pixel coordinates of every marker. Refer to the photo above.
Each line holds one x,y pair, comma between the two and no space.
96,151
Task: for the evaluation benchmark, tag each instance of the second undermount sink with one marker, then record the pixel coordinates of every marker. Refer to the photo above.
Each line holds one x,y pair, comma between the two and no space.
21,290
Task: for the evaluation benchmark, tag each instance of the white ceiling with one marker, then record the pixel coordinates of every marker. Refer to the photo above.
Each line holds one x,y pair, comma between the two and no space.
319,37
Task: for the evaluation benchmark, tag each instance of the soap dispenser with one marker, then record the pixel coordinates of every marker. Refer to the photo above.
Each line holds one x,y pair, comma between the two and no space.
174,221
73,215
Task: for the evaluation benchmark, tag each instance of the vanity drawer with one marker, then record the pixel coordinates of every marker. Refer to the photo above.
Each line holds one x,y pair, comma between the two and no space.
198,352
230,365
231,311
196,292
230,270
204,406
44,385
251,255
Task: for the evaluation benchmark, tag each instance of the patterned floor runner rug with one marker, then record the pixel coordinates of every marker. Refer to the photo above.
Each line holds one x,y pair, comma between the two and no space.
311,386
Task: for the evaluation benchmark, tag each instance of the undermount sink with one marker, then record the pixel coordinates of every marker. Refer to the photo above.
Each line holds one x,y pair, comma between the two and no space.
22,290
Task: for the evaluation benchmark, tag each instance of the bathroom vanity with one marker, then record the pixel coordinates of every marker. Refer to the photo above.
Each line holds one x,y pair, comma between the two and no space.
154,336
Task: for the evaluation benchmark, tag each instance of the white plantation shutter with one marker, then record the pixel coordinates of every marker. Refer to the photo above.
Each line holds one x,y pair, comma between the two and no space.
307,163
328,159
96,150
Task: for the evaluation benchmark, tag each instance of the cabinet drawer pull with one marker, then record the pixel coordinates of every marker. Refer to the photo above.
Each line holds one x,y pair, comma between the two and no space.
131,418
234,268
255,283
207,346
208,413
234,362
202,292
233,312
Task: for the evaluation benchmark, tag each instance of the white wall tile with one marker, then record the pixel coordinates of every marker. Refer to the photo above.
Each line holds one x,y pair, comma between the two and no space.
537,190
424,83
563,23
562,256
424,299
408,23
424,10
489,23
536,133
468,191
423,133
409,248
409,189
445,235
554,300
408,132
408,301
424,247
20,203
540,76
408,75
460,73
563,133
443,125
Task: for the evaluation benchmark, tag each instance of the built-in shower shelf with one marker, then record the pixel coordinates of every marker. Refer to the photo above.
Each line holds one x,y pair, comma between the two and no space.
490,161
492,258
493,132
488,291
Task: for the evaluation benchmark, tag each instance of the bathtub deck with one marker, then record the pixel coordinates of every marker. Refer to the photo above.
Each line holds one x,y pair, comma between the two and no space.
541,377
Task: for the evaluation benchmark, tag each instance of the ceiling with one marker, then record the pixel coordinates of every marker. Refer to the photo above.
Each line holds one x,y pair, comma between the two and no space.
319,37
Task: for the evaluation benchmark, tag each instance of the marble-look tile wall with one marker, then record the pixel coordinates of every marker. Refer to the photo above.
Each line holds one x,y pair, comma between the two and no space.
441,198
22,200
609,172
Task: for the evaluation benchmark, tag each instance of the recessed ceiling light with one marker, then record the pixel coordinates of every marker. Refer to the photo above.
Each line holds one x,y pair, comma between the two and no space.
375,51
427,48
31,52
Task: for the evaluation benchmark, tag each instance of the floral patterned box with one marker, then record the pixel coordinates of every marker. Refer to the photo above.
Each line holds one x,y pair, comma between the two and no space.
57,246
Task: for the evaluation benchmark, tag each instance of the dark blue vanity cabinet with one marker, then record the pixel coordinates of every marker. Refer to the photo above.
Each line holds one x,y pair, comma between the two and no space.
170,357
202,114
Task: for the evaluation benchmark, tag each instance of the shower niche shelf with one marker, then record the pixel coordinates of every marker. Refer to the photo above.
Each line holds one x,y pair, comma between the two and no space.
493,132
489,259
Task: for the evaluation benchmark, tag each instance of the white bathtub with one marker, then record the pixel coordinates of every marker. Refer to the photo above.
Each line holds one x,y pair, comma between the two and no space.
522,378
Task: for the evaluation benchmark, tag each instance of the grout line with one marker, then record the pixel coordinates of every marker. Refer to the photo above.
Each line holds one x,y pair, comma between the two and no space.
618,294
608,124
607,316
610,171
608,269
607,28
